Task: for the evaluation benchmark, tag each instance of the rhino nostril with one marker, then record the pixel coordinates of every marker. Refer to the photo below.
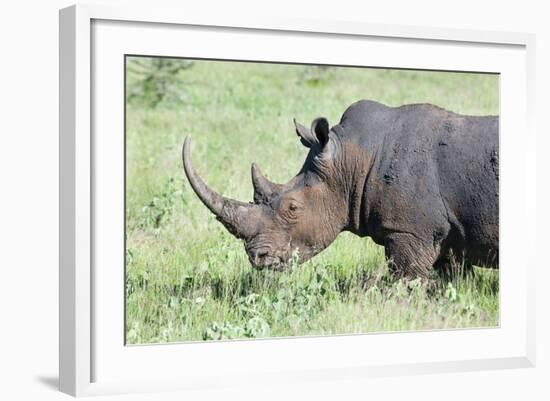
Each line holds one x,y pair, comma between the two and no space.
256,255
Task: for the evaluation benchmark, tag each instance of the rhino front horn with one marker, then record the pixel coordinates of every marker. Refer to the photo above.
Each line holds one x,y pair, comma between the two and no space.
239,218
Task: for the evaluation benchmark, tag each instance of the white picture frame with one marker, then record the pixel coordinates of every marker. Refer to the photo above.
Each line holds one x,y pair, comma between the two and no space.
92,359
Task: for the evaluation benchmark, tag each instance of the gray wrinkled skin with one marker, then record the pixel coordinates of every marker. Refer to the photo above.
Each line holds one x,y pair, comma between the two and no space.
419,180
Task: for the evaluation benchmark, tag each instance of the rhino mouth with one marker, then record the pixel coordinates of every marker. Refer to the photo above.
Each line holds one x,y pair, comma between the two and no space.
262,258
268,263
262,262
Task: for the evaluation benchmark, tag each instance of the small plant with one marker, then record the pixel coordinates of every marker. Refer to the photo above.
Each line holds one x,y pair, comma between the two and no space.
451,293
156,211
416,287
255,327
133,333
223,331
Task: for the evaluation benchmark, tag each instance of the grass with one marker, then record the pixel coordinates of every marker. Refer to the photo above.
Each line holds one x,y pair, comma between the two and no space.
188,279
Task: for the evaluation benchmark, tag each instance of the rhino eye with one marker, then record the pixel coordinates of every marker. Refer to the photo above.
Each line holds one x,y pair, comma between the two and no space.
293,207
290,211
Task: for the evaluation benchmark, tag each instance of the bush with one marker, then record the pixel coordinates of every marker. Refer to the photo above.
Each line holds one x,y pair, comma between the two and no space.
152,80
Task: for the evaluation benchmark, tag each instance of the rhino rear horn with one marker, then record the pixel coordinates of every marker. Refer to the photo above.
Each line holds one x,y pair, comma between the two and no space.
263,188
238,217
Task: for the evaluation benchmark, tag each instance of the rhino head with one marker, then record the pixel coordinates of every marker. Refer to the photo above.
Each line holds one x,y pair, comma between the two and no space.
299,218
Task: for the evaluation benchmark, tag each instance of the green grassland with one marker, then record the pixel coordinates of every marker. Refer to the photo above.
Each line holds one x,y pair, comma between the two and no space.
190,280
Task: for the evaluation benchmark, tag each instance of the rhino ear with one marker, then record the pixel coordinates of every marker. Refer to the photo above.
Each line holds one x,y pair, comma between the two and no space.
320,128
306,137
317,136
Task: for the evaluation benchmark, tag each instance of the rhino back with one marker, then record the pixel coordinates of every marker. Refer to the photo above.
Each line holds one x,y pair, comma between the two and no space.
435,173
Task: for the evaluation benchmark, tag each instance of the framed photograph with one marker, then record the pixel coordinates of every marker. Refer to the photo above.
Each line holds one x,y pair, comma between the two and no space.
284,200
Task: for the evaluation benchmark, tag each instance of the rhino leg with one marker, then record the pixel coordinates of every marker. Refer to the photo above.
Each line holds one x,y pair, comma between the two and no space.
409,256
